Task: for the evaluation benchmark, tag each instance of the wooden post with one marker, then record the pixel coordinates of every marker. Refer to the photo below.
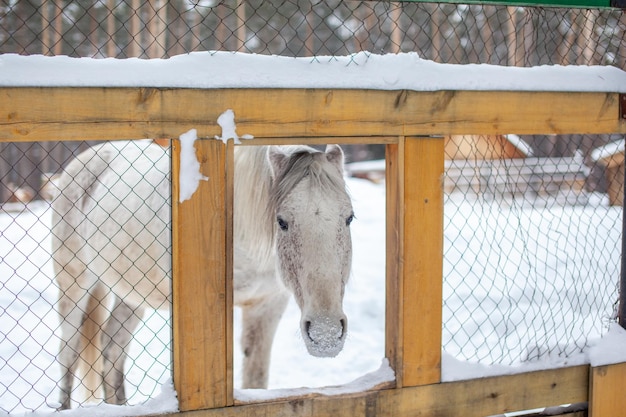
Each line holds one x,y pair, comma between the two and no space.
415,259
606,396
201,281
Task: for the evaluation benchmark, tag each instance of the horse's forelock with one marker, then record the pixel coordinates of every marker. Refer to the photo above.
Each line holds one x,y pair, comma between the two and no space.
305,163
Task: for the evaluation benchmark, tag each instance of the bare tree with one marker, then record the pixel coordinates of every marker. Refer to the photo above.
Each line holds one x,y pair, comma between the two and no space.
589,40
57,45
134,45
241,25
110,29
45,27
396,29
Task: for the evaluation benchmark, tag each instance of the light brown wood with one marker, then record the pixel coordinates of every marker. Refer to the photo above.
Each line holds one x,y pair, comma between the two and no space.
202,227
394,250
475,398
422,259
49,113
229,259
606,397
202,340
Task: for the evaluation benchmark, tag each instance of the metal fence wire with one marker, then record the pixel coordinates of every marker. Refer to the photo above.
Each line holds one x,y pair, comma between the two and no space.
451,33
532,223
31,300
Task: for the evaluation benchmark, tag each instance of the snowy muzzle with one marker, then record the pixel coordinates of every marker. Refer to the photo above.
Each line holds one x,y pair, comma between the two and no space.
324,336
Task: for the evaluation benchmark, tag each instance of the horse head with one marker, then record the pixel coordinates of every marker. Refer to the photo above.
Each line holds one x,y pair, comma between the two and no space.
312,215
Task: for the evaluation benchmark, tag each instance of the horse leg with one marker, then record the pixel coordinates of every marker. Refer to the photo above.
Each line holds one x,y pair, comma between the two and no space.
72,315
260,320
81,314
116,336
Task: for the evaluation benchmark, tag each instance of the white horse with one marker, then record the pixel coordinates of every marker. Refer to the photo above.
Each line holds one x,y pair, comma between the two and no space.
111,250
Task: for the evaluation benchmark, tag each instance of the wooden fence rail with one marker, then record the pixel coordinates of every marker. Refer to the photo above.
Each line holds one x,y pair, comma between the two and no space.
202,226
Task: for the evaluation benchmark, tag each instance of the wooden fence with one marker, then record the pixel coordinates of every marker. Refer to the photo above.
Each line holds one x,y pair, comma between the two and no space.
202,227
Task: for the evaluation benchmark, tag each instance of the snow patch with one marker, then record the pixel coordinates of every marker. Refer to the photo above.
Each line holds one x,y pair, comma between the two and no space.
608,150
363,70
226,121
367,382
190,175
165,402
609,349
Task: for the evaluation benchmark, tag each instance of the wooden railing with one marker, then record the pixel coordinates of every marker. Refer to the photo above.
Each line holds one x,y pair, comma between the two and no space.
408,123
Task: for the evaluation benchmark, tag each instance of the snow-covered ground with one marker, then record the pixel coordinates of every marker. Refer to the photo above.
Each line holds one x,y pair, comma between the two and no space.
28,343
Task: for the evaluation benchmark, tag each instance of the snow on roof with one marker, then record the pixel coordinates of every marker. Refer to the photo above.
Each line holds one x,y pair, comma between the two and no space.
358,71
520,144
608,150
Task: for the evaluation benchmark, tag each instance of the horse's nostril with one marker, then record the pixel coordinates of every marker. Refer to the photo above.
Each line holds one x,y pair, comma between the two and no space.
343,327
307,328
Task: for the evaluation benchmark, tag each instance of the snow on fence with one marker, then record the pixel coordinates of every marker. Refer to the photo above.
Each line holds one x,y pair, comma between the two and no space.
531,285
420,161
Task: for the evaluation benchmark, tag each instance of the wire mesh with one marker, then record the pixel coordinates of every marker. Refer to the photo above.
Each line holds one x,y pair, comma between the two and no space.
532,236
532,249
31,301
450,33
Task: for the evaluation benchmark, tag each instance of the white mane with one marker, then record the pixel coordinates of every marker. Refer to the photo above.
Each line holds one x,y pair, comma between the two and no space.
252,226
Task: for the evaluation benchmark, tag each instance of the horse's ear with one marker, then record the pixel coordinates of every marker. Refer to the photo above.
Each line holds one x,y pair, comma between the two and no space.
278,160
334,154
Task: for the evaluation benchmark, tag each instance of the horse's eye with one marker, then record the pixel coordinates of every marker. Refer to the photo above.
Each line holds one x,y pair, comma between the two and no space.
349,219
282,224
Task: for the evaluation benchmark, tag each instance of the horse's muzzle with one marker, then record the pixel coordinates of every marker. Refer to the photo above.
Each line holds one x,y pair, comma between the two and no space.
324,336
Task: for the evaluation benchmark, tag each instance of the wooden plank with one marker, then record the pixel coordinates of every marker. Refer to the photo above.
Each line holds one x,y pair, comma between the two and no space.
321,140
422,260
475,398
49,113
606,397
202,345
229,259
394,172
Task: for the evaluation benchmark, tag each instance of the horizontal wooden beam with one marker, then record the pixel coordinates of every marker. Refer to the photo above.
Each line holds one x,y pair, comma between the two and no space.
60,113
475,398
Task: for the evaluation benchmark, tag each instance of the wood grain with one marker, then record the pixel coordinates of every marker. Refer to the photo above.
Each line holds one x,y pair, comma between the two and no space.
55,113
422,260
607,391
202,307
394,247
475,398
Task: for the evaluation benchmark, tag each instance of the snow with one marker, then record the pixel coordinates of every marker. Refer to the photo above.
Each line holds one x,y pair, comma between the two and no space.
164,402
358,367
26,296
610,348
608,150
226,121
190,175
366,382
520,144
362,70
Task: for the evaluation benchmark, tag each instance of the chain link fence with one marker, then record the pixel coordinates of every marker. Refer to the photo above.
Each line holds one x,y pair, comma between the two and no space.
532,247
31,300
450,33
532,223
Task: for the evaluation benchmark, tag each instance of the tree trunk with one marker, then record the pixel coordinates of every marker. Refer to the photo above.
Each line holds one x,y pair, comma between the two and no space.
134,45
45,28
110,31
57,44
